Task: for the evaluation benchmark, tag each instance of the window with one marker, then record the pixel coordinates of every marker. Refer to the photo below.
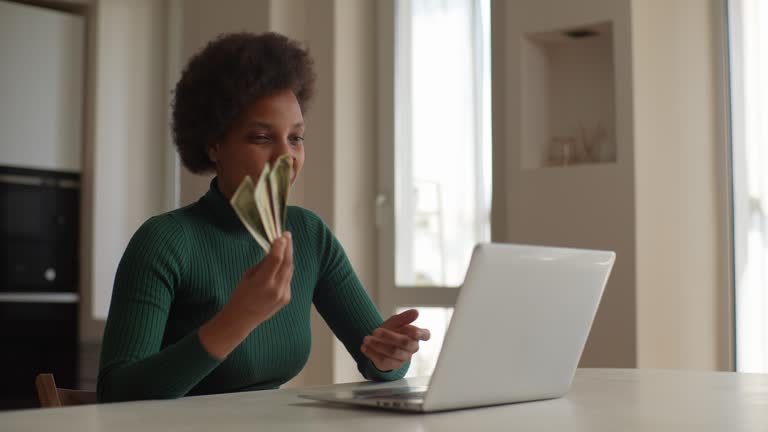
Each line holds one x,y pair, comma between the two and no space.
749,105
437,156
436,319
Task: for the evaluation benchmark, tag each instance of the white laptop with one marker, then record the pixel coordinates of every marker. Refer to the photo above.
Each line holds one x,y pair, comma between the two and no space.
521,320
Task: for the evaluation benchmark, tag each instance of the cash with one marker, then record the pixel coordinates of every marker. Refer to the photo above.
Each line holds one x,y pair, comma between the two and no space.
263,207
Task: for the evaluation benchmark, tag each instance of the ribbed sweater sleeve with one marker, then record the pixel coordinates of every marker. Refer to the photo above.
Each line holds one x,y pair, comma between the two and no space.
346,307
133,366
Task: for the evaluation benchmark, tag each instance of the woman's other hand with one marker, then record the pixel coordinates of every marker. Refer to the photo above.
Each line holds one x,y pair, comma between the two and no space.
394,342
262,291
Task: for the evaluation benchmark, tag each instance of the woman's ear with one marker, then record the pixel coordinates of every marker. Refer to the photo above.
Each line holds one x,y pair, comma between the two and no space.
213,152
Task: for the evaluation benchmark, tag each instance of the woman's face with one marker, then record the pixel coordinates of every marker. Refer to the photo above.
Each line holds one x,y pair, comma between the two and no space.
272,126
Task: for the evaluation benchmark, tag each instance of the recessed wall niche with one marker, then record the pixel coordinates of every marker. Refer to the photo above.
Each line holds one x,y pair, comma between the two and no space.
567,104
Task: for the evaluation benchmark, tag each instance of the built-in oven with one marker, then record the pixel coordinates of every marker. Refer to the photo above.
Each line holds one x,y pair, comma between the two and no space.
39,296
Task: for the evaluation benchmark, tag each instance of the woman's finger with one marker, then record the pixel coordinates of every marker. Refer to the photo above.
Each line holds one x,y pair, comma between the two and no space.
401,319
415,332
288,255
387,348
271,264
285,272
380,360
402,341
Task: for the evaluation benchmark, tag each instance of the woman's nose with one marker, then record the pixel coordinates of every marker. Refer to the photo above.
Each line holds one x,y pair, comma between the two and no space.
283,147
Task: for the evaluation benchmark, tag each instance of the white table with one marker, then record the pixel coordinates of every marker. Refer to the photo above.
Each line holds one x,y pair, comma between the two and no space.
600,400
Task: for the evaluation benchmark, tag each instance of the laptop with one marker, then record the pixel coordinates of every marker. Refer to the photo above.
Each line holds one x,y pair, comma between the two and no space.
520,323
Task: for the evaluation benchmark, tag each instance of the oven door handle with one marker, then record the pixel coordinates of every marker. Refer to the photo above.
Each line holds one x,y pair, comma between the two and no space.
39,297
33,180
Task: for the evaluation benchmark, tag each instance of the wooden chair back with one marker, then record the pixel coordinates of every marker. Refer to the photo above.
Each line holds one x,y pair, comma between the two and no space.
50,396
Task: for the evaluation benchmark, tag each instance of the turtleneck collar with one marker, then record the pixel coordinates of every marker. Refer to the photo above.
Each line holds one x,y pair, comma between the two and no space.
223,213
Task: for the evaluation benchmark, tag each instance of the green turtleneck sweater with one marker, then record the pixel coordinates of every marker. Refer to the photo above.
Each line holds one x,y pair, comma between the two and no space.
179,270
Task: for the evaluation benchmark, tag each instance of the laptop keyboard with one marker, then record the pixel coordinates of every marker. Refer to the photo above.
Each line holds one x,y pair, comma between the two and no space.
403,393
409,396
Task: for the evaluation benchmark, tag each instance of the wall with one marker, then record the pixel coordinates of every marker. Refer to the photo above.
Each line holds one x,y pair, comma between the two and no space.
663,206
683,260
355,172
128,133
588,206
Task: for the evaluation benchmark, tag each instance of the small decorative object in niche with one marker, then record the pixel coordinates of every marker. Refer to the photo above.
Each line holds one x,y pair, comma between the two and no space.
585,146
561,151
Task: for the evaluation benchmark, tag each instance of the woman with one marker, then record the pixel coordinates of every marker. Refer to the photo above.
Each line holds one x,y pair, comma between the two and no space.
197,306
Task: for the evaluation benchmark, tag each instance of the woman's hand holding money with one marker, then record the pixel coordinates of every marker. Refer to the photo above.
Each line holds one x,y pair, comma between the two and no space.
262,291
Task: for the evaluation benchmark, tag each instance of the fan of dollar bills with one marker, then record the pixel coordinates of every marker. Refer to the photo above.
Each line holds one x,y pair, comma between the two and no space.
263,208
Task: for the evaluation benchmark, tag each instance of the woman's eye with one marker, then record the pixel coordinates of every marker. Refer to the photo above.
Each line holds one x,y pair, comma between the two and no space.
258,138
296,140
